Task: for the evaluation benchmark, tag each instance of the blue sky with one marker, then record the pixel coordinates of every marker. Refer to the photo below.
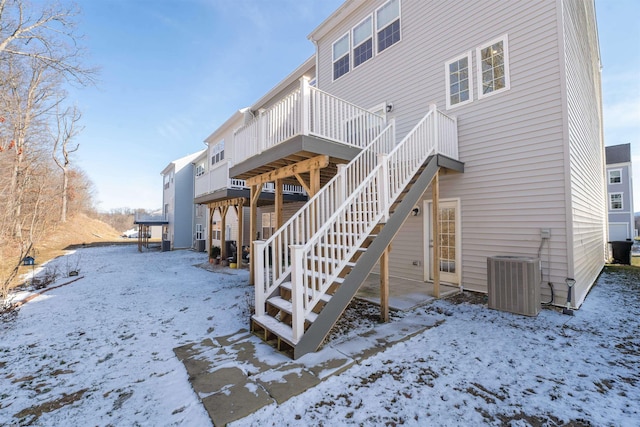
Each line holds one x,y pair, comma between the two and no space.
172,71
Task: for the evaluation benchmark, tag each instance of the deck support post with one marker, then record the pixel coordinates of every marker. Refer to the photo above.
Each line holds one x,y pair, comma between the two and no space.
253,221
239,245
210,210
384,284
435,195
223,232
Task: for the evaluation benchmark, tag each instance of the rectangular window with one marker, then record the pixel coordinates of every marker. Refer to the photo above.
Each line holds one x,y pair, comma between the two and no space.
615,201
199,232
363,42
388,24
615,176
493,67
341,57
458,75
217,154
201,168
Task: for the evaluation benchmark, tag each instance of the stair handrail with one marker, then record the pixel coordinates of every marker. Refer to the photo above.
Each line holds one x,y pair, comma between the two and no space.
271,270
346,230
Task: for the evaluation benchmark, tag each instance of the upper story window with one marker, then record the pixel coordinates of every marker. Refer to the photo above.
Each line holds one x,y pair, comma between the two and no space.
363,42
341,57
615,201
201,168
388,24
493,67
217,153
615,176
459,87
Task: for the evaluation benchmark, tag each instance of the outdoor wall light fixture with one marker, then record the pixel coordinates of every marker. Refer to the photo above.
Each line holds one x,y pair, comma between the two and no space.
389,107
415,211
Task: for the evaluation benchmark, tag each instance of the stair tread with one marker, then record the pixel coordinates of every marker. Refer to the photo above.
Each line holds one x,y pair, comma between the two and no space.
286,306
282,330
325,297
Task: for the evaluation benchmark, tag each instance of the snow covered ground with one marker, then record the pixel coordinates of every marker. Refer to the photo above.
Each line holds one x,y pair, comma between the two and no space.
99,352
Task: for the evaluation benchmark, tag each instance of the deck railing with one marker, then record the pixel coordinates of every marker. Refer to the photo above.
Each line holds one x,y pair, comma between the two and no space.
317,262
306,111
273,254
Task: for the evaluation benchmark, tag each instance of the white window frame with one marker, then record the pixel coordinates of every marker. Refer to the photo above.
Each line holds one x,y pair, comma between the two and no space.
353,38
217,153
347,53
469,78
611,208
507,79
199,231
377,30
619,176
201,168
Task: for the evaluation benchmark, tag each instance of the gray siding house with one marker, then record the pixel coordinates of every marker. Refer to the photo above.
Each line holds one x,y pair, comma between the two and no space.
620,192
434,136
177,202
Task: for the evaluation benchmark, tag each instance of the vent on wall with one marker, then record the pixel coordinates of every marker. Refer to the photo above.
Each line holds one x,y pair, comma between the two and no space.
514,284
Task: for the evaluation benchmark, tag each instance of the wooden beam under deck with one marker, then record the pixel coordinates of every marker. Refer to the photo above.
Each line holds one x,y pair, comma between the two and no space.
309,165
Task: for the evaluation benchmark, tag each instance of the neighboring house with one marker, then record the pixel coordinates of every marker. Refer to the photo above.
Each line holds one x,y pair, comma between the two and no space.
177,202
620,193
485,113
224,202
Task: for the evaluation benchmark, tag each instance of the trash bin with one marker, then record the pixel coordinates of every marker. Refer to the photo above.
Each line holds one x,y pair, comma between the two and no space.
166,245
201,245
621,251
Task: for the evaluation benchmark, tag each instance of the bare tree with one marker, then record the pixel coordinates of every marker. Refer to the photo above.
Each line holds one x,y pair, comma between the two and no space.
47,35
67,129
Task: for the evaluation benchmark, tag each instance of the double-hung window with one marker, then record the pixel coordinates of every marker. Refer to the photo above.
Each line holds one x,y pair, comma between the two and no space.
341,57
388,24
363,42
459,86
615,176
201,168
615,201
493,67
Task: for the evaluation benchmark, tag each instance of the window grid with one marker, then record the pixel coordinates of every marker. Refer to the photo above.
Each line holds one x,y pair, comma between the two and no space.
459,83
615,201
615,176
493,67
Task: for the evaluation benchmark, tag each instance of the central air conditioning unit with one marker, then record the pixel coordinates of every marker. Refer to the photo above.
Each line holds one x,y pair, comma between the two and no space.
514,284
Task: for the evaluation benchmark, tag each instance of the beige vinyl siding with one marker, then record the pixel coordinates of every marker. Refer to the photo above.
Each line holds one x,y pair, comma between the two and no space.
588,187
511,143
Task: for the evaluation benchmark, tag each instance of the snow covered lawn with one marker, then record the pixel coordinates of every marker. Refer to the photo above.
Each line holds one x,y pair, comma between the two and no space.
99,352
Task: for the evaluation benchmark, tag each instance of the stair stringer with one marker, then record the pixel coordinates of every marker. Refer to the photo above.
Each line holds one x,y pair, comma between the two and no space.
332,311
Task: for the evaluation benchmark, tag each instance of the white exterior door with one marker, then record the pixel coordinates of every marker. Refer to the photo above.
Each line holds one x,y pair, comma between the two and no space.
449,239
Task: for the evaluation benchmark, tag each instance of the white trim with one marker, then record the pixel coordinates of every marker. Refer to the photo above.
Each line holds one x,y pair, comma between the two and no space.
354,46
609,176
507,80
427,261
621,208
447,74
376,30
333,54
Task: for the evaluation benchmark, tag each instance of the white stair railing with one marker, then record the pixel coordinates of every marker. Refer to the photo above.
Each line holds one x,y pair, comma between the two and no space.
317,263
272,256
306,111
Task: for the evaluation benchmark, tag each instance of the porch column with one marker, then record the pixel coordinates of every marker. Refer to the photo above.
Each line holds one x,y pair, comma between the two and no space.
435,195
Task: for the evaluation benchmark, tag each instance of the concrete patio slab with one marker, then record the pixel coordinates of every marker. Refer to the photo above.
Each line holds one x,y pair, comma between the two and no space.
236,402
287,381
